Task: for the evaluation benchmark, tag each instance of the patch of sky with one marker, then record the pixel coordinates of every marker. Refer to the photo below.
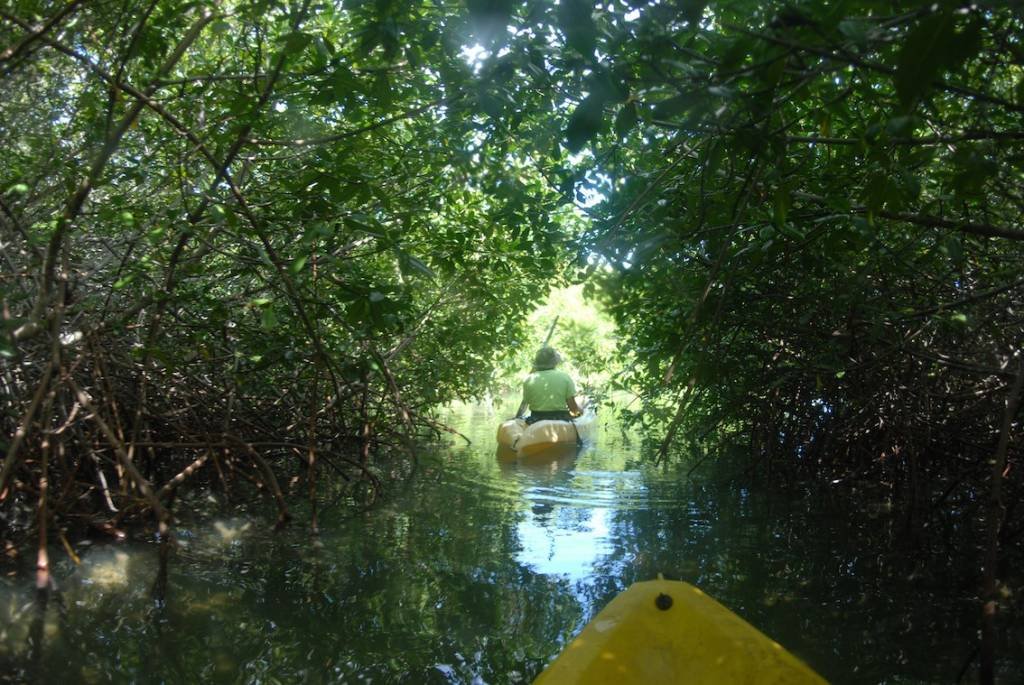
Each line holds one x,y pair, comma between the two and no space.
825,407
476,55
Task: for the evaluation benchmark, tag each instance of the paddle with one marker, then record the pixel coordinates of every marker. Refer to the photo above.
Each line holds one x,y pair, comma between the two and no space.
551,332
547,339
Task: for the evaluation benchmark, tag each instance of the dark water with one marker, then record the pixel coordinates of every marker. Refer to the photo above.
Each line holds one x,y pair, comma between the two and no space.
478,570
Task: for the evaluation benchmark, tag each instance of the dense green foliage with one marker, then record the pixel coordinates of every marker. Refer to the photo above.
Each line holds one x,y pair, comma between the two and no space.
814,211
581,331
267,219
289,225
816,222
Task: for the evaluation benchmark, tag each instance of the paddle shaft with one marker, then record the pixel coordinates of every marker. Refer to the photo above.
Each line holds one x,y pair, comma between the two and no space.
551,331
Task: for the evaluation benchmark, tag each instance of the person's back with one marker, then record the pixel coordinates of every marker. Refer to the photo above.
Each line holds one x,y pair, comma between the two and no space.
549,394
548,390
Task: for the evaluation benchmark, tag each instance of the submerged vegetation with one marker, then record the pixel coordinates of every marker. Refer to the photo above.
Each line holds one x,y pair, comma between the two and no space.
260,241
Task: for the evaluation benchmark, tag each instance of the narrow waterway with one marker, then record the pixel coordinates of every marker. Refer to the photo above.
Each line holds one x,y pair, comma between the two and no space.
480,568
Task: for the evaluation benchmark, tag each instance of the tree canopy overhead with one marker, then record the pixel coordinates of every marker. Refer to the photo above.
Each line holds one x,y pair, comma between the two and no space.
248,241
814,211
223,224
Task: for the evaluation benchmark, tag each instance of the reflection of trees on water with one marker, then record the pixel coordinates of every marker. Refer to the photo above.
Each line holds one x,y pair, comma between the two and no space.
798,572
422,590
432,589
432,586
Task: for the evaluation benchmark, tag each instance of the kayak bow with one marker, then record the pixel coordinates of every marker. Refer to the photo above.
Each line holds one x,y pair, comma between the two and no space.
662,631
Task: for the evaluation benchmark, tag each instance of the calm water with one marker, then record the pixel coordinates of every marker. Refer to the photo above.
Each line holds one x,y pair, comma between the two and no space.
479,569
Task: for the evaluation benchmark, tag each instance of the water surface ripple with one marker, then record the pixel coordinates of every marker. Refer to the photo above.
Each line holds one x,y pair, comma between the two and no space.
480,568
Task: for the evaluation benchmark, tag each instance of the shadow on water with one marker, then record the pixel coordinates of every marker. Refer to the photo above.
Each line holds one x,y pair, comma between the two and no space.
483,567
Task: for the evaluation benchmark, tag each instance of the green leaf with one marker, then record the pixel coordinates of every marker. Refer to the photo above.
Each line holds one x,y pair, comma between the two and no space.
876,193
575,19
491,105
924,52
626,119
693,10
856,30
490,19
772,74
299,264
361,222
382,90
953,248
781,207
324,50
18,189
120,283
418,265
967,44
674,106
296,41
343,82
7,349
973,170
608,86
735,52
585,123
901,126
268,319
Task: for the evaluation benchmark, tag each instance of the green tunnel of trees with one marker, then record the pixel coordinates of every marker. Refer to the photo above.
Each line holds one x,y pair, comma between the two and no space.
254,239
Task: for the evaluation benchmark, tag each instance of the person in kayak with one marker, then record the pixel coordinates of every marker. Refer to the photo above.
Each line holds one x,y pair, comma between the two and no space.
548,393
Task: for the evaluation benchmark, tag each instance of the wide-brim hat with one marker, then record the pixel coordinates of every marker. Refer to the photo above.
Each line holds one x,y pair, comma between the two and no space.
546,358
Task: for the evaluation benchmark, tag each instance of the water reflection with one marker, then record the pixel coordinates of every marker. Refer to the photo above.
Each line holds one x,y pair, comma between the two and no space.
555,539
481,568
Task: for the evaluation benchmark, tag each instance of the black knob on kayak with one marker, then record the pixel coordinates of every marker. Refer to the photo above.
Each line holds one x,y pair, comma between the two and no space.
663,602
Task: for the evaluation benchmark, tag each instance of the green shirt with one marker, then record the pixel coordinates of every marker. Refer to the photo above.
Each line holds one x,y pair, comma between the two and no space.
548,390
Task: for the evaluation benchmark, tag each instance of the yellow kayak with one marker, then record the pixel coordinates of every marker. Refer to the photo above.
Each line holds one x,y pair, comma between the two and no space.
542,436
664,631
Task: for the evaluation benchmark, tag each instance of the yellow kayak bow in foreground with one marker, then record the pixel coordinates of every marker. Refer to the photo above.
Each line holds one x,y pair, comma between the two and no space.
661,631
